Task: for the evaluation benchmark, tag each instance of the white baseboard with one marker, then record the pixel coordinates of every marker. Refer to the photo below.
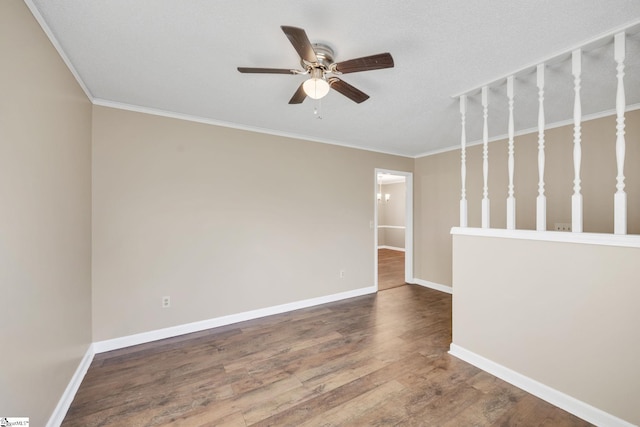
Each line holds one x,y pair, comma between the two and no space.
159,334
557,398
102,346
436,286
64,403
393,248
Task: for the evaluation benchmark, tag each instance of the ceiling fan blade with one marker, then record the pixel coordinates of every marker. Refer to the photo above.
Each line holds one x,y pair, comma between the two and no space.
356,95
266,70
366,63
299,96
300,41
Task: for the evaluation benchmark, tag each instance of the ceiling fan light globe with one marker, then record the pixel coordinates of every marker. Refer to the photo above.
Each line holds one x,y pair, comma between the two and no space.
316,88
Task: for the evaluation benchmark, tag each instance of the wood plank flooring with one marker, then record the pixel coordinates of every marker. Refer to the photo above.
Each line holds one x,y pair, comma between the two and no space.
390,269
376,360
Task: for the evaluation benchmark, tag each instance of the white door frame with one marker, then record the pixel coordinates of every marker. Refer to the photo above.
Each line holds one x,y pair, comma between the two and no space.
408,221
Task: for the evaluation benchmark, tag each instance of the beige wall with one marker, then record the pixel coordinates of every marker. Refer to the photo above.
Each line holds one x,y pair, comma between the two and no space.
562,314
437,188
393,213
45,219
435,211
222,220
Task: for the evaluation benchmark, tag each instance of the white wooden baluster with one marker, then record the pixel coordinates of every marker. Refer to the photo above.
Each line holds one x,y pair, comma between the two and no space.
620,198
485,160
576,198
463,163
541,201
511,201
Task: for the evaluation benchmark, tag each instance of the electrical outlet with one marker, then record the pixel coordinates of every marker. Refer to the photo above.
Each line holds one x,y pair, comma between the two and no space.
562,226
342,274
166,302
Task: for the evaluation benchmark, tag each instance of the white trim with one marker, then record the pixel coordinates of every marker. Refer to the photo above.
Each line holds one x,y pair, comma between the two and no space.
204,120
174,331
60,411
557,398
408,234
554,125
36,14
392,226
432,285
626,240
393,248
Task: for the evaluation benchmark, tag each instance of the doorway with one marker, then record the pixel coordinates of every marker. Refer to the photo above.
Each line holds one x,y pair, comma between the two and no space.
393,228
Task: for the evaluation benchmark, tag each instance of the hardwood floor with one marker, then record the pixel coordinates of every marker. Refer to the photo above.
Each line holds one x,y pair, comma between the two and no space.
390,269
376,360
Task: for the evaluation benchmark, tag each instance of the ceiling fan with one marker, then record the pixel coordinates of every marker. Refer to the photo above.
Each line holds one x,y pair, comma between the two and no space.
317,61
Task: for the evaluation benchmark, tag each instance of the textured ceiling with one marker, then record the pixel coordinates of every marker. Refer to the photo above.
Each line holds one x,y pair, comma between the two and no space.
180,57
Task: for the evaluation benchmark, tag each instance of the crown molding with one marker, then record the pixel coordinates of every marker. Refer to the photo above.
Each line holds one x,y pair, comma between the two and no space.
232,125
561,123
43,24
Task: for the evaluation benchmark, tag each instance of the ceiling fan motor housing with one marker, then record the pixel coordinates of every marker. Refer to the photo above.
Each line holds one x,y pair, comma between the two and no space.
325,57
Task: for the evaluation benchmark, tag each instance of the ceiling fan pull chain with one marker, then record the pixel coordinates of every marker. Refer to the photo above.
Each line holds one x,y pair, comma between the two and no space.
317,110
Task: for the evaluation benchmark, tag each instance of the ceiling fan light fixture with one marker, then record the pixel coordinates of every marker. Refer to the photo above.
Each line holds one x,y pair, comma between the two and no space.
316,88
